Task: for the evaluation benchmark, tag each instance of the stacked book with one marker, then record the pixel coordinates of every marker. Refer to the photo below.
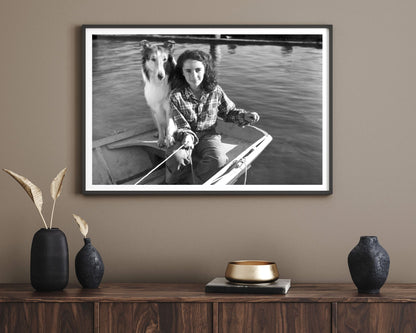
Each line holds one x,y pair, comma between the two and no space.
222,285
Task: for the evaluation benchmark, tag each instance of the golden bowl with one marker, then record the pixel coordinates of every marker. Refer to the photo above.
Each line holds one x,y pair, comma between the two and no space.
251,271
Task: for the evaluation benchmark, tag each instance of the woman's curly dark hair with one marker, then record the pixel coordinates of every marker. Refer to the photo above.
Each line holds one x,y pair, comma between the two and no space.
210,78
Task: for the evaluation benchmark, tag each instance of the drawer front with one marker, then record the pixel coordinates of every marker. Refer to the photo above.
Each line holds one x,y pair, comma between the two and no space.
47,317
274,317
155,317
376,317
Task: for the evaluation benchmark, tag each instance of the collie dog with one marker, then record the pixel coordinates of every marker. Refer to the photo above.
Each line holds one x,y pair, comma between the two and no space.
158,65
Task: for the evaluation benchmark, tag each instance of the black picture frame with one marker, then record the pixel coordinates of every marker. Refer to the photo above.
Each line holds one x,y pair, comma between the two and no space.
104,150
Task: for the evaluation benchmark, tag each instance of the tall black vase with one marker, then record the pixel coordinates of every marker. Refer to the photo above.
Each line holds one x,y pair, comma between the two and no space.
369,265
89,266
49,260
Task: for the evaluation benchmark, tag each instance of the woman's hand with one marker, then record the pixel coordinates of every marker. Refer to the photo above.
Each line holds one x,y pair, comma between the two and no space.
251,117
188,142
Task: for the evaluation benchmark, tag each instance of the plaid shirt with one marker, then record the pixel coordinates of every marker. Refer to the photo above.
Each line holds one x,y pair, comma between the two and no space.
192,115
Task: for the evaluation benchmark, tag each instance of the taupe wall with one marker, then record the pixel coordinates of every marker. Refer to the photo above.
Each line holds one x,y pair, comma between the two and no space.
178,238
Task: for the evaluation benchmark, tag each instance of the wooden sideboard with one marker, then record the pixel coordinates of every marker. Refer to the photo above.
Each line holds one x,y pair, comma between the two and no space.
184,308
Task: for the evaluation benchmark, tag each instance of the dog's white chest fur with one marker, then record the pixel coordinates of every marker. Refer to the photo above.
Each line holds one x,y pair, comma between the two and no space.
157,93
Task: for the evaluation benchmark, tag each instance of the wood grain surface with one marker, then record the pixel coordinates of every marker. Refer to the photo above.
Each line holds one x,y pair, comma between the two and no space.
274,317
376,317
183,308
46,317
160,292
155,317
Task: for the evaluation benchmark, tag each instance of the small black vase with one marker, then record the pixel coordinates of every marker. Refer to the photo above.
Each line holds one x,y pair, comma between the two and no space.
369,265
89,266
49,260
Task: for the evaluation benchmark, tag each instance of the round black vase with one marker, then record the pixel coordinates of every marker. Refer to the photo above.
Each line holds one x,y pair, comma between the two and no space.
49,260
369,265
89,266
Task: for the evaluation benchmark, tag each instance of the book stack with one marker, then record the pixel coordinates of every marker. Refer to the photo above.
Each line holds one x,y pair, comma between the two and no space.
222,285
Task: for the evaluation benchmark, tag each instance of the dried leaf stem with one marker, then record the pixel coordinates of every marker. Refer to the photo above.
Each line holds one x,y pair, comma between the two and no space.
83,226
35,193
56,188
32,190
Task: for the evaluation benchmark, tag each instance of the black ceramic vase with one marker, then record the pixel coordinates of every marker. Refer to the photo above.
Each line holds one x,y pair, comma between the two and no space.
89,266
369,265
49,260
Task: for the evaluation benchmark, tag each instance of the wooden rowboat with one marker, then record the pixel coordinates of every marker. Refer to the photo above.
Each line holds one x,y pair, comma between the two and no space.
125,158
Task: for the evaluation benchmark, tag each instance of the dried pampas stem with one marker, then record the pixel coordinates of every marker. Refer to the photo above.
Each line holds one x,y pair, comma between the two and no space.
83,226
56,188
32,190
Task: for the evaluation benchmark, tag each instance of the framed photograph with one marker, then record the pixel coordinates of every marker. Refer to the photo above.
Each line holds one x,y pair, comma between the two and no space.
207,109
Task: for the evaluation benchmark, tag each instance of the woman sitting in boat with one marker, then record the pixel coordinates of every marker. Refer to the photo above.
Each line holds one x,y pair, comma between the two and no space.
196,101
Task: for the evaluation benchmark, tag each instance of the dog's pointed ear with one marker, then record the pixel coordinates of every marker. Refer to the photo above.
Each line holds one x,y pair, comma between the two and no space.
169,44
144,44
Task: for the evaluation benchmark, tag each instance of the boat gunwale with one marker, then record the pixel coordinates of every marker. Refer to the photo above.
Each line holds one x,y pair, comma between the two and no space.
218,178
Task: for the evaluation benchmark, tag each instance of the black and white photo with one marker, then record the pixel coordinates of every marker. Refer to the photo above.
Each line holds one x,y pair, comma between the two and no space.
207,109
